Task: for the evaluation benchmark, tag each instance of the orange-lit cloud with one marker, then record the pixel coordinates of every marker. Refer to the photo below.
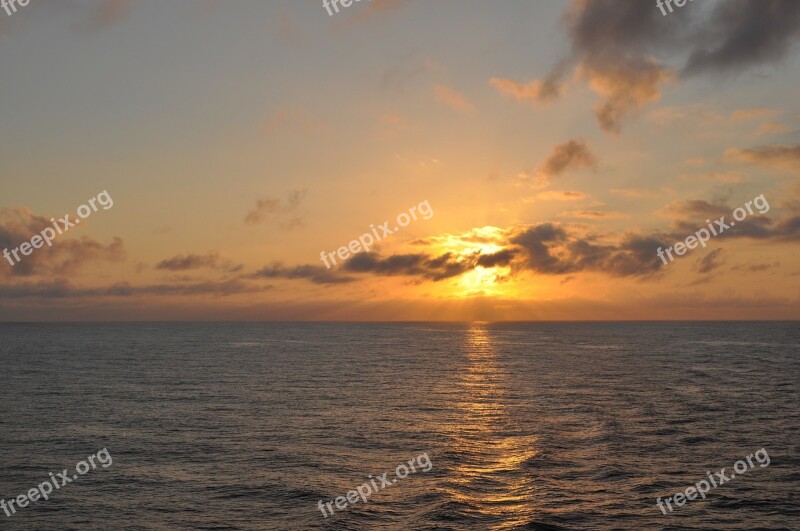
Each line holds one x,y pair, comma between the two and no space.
452,98
532,92
782,156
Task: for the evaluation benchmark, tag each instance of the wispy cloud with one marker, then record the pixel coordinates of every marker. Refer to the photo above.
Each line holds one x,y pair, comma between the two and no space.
532,92
781,156
452,98
198,261
281,213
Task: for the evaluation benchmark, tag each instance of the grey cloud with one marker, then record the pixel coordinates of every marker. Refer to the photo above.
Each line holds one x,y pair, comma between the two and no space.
66,255
60,289
313,273
277,211
709,262
742,33
415,264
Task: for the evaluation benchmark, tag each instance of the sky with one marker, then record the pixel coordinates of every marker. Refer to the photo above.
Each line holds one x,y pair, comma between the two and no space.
549,149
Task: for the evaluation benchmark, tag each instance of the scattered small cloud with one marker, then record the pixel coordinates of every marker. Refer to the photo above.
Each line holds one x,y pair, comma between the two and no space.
560,195
709,262
280,213
595,214
755,268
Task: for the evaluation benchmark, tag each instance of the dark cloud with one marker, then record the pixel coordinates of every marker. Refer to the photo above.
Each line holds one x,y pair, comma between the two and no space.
696,209
755,268
709,262
499,259
550,249
567,156
61,288
66,255
611,45
198,261
617,48
691,216
190,261
418,264
313,273
743,33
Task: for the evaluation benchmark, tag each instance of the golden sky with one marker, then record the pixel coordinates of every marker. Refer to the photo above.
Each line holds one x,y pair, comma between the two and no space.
549,149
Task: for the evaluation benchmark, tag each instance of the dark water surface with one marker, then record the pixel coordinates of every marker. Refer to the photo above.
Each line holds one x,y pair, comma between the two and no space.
528,426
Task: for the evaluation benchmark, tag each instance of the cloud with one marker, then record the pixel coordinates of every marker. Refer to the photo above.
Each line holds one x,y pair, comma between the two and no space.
278,212
709,262
499,259
559,195
723,177
417,264
536,181
198,261
313,273
452,99
634,193
610,45
755,268
595,214
60,289
695,208
689,216
551,250
783,157
545,249
626,85
68,254
533,92
772,128
617,49
742,33
570,155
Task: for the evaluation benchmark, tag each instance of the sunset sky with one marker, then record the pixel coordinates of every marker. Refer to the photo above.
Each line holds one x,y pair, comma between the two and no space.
558,144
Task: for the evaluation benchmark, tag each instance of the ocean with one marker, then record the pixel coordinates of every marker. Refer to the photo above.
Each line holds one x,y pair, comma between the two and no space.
540,426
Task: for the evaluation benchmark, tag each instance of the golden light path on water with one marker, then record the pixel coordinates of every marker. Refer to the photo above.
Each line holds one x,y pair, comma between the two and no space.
490,482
